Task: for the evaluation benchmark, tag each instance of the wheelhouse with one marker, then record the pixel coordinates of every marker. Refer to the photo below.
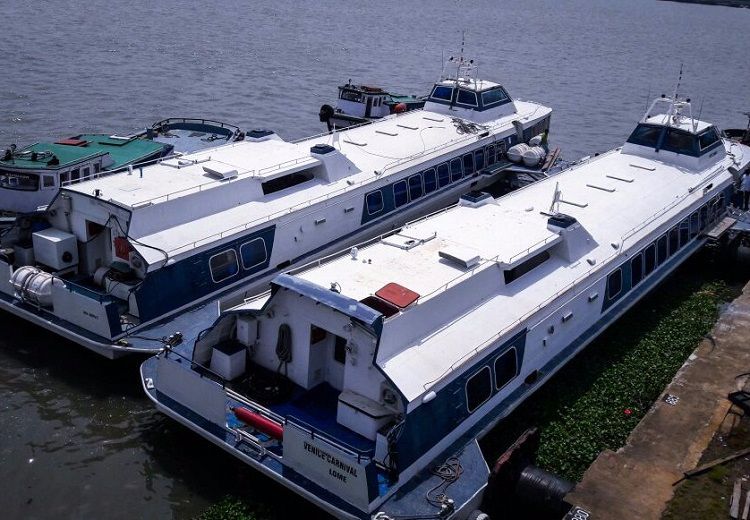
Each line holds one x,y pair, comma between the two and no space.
464,94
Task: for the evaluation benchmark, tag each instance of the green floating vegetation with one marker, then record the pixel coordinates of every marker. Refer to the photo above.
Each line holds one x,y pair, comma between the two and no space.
229,508
596,401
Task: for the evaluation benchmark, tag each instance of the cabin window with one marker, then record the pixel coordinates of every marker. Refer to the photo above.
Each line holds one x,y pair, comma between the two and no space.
48,181
679,141
442,92
86,172
286,181
526,266
351,95
704,217
19,181
479,159
400,195
223,265
499,151
649,263
253,253
456,170
478,389
430,180
506,368
490,155
97,167
684,232
707,139
468,165
614,284
674,240
661,250
63,178
339,350
75,175
374,202
496,95
444,176
467,97
636,270
694,223
646,135
415,187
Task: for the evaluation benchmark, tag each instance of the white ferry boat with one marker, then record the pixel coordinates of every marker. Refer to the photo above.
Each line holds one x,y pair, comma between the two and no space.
116,258
356,377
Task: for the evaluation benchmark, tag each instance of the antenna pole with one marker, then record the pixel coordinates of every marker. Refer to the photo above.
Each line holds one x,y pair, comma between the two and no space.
677,87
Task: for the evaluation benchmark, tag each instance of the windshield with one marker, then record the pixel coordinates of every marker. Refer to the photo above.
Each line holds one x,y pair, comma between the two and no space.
19,181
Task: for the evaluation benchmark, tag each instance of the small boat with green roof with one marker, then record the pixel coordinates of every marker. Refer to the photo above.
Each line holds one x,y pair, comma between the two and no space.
31,176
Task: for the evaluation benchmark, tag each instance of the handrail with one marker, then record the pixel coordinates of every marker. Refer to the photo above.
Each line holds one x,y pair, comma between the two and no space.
212,122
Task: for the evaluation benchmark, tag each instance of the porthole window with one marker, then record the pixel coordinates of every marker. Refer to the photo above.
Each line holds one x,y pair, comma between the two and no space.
374,202
223,265
430,180
636,270
506,368
415,187
478,389
444,175
400,193
614,284
253,253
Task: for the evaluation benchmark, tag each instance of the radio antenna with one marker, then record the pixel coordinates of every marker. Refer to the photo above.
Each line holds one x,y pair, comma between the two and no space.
677,87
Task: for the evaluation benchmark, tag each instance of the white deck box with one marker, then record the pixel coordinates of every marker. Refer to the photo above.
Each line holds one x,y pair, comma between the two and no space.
228,360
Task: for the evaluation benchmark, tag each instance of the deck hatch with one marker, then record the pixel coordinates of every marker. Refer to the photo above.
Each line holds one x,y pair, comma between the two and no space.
463,257
220,171
72,141
397,295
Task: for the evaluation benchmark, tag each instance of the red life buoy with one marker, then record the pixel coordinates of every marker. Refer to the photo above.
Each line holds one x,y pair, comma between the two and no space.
400,108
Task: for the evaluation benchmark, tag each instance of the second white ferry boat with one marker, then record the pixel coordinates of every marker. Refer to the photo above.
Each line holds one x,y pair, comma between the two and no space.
362,383
116,258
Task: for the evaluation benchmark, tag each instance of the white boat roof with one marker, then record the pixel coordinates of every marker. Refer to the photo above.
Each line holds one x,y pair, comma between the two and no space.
611,196
181,208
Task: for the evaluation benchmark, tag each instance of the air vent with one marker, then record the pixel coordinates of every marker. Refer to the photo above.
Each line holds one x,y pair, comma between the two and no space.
561,221
220,171
467,258
322,149
259,133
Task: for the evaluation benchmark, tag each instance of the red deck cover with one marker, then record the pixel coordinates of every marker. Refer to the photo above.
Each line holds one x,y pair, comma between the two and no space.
72,141
397,294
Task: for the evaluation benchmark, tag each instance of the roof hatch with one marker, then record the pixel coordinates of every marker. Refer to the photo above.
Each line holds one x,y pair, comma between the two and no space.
397,295
220,170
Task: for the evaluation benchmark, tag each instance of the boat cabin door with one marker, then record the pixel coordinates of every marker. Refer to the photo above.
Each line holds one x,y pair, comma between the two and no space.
327,358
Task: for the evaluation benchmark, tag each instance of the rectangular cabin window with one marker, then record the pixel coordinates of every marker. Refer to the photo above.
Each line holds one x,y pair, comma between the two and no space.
684,232
253,253
694,224
48,181
646,135
494,96
468,165
400,193
456,170
374,202
636,270
97,167
478,389
679,141
19,181
286,181
415,187
223,265
649,260
525,266
506,368
339,350
499,151
479,159
704,217
63,178
614,284
430,180
491,155
708,139
75,175
467,97
442,92
674,240
86,172
444,175
661,250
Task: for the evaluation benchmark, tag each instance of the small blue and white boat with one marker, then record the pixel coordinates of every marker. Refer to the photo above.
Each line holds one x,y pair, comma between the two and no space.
356,377
117,258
